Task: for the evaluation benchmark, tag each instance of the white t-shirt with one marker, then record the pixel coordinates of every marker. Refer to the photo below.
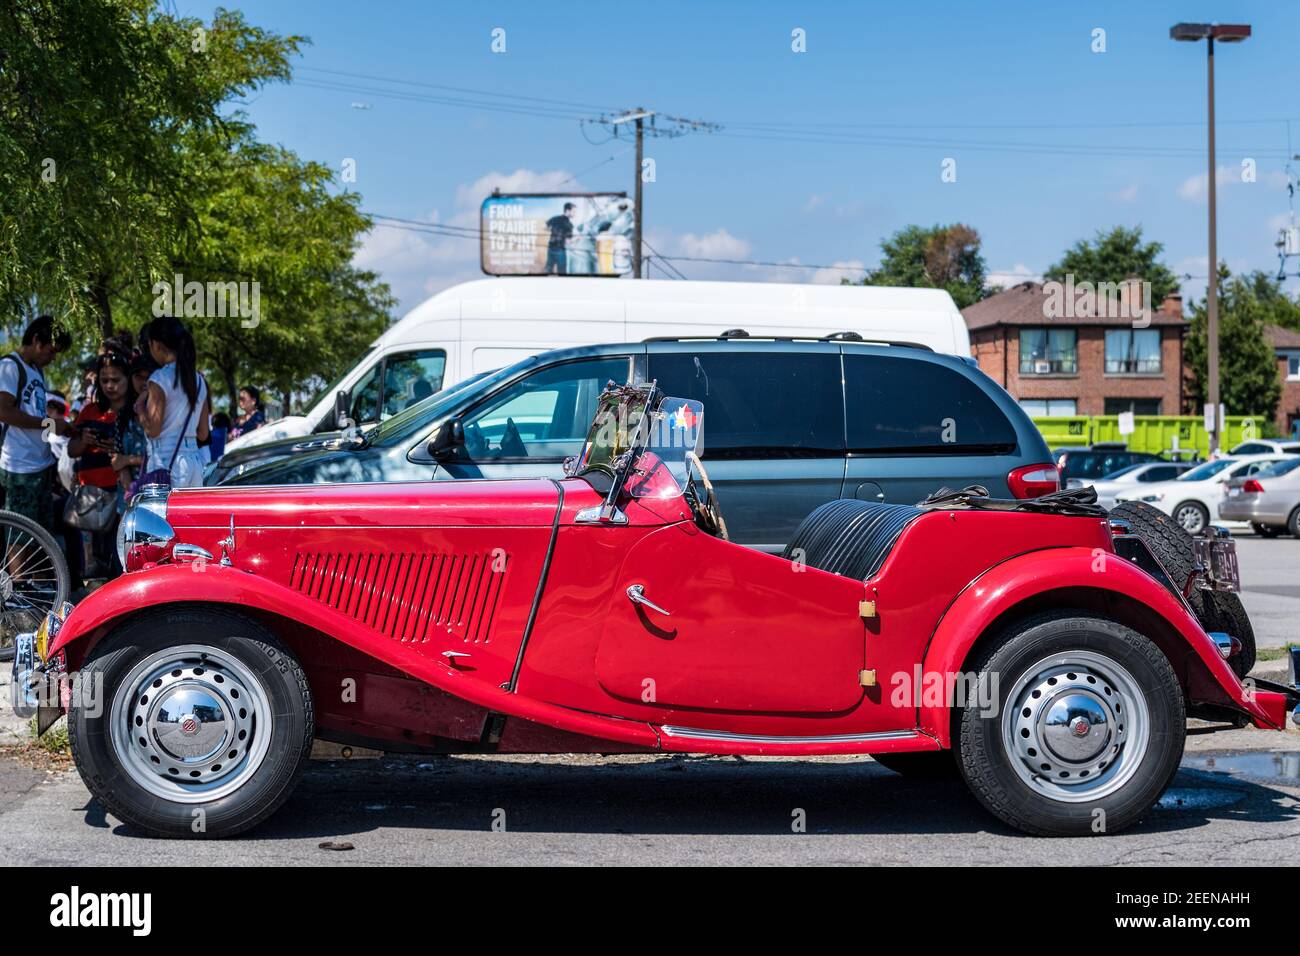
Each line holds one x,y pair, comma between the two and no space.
179,427
25,449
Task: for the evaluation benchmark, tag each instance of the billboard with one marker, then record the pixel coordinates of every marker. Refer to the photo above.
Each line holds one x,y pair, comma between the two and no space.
533,234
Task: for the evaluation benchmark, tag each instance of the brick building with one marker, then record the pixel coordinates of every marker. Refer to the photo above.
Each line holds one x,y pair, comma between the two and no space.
1286,344
1083,364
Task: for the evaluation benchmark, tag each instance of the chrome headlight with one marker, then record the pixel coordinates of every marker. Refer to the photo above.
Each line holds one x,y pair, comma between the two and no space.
145,521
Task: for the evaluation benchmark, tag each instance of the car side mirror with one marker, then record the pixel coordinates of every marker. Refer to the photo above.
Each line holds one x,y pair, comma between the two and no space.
446,440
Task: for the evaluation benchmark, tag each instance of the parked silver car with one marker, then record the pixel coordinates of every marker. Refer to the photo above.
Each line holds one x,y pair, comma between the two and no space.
1269,499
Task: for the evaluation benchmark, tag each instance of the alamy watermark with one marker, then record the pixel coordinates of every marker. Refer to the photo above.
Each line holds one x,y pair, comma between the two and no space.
208,300
1130,299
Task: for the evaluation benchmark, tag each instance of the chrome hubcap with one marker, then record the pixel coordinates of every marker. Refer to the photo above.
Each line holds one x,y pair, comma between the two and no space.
1076,726
190,724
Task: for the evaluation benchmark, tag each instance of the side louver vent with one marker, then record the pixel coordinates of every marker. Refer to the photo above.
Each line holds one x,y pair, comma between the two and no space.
408,597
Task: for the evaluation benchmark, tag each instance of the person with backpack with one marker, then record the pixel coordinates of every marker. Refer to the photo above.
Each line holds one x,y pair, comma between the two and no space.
26,461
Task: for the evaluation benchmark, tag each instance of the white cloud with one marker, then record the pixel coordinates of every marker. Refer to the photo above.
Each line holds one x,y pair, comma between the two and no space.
1127,194
851,269
1196,188
718,244
1013,276
471,195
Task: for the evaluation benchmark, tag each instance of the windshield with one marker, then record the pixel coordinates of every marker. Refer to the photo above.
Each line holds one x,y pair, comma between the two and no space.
1123,471
1205,471
426,412
660,444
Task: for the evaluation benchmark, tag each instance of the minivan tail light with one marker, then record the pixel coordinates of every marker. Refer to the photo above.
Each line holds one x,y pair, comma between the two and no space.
1031,481
1252,487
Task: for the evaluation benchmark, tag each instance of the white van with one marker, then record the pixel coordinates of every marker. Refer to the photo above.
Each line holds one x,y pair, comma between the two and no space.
478,326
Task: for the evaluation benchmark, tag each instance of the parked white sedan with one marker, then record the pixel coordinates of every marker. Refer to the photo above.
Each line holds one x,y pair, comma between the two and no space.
1129,480
1192,497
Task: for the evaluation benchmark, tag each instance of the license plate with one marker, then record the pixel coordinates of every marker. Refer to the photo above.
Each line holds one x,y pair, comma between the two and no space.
23,695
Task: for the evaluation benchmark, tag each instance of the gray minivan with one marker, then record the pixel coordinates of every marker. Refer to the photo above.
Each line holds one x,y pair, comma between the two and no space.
789,425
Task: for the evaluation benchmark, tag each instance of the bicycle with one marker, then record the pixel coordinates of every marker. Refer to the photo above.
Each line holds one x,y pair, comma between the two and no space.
34,578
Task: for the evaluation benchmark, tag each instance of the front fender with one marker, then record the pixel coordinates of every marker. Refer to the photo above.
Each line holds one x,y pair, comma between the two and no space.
1026,576
213,584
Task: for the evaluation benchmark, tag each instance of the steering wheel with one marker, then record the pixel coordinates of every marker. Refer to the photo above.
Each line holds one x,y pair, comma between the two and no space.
709,508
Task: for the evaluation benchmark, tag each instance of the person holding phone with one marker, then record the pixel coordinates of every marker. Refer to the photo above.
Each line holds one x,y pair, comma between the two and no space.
98,448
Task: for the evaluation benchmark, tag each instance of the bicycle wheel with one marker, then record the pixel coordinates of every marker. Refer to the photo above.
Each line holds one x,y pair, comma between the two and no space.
34,577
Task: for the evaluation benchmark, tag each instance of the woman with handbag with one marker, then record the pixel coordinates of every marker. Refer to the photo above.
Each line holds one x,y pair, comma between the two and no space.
174,410
100,425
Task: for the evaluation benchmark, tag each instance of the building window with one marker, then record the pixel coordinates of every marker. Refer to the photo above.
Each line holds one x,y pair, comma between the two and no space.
1293,365
1138,406
1048,352
1132,351
1048,407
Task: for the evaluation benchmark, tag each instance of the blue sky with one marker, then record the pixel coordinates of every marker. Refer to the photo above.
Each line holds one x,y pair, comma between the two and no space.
821,154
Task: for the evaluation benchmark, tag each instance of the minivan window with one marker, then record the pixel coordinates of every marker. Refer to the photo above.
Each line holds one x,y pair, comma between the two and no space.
760,404
900,404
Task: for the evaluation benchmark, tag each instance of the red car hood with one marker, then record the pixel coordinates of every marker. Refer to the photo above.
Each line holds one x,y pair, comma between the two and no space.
497,503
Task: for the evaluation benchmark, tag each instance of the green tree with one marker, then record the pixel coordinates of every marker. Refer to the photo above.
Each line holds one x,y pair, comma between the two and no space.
269,222
97,99
1115,256
940,257
1248,379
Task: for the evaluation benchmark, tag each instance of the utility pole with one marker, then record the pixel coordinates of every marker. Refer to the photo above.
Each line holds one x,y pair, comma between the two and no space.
1228,33
676,127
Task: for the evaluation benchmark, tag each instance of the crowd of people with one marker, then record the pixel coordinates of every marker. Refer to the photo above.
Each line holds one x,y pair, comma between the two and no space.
142,415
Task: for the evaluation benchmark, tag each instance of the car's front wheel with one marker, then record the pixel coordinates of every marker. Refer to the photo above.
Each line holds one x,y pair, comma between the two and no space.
193,723
1088,732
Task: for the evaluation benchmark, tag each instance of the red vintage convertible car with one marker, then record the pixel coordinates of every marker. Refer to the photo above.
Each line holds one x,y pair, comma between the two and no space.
1036,648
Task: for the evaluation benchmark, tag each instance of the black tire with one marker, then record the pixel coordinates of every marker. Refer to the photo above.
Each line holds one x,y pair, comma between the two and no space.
1187,509
1225,612
44,584
1216,610
923,765
286,751
1266,530
1293,523
991,771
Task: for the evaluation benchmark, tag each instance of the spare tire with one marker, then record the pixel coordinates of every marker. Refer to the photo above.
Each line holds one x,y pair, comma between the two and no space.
1172,546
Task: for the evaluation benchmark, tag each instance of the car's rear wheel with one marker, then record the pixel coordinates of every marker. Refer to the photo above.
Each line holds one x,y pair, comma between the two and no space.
203,725
1192,516
1293,523
1265,530
1088,732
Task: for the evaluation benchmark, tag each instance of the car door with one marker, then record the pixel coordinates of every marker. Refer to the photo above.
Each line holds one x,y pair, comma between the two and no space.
915,425
529,426
773,428
697,624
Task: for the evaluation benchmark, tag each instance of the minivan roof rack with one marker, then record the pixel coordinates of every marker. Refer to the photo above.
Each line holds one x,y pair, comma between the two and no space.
732,334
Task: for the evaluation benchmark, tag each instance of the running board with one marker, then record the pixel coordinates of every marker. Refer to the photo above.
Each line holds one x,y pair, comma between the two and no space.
696,740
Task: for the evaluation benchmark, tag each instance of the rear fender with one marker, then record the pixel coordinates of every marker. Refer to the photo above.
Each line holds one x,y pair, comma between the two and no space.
1020,580
165,585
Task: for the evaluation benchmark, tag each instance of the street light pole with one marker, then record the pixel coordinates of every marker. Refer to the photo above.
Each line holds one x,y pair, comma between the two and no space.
1227,33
